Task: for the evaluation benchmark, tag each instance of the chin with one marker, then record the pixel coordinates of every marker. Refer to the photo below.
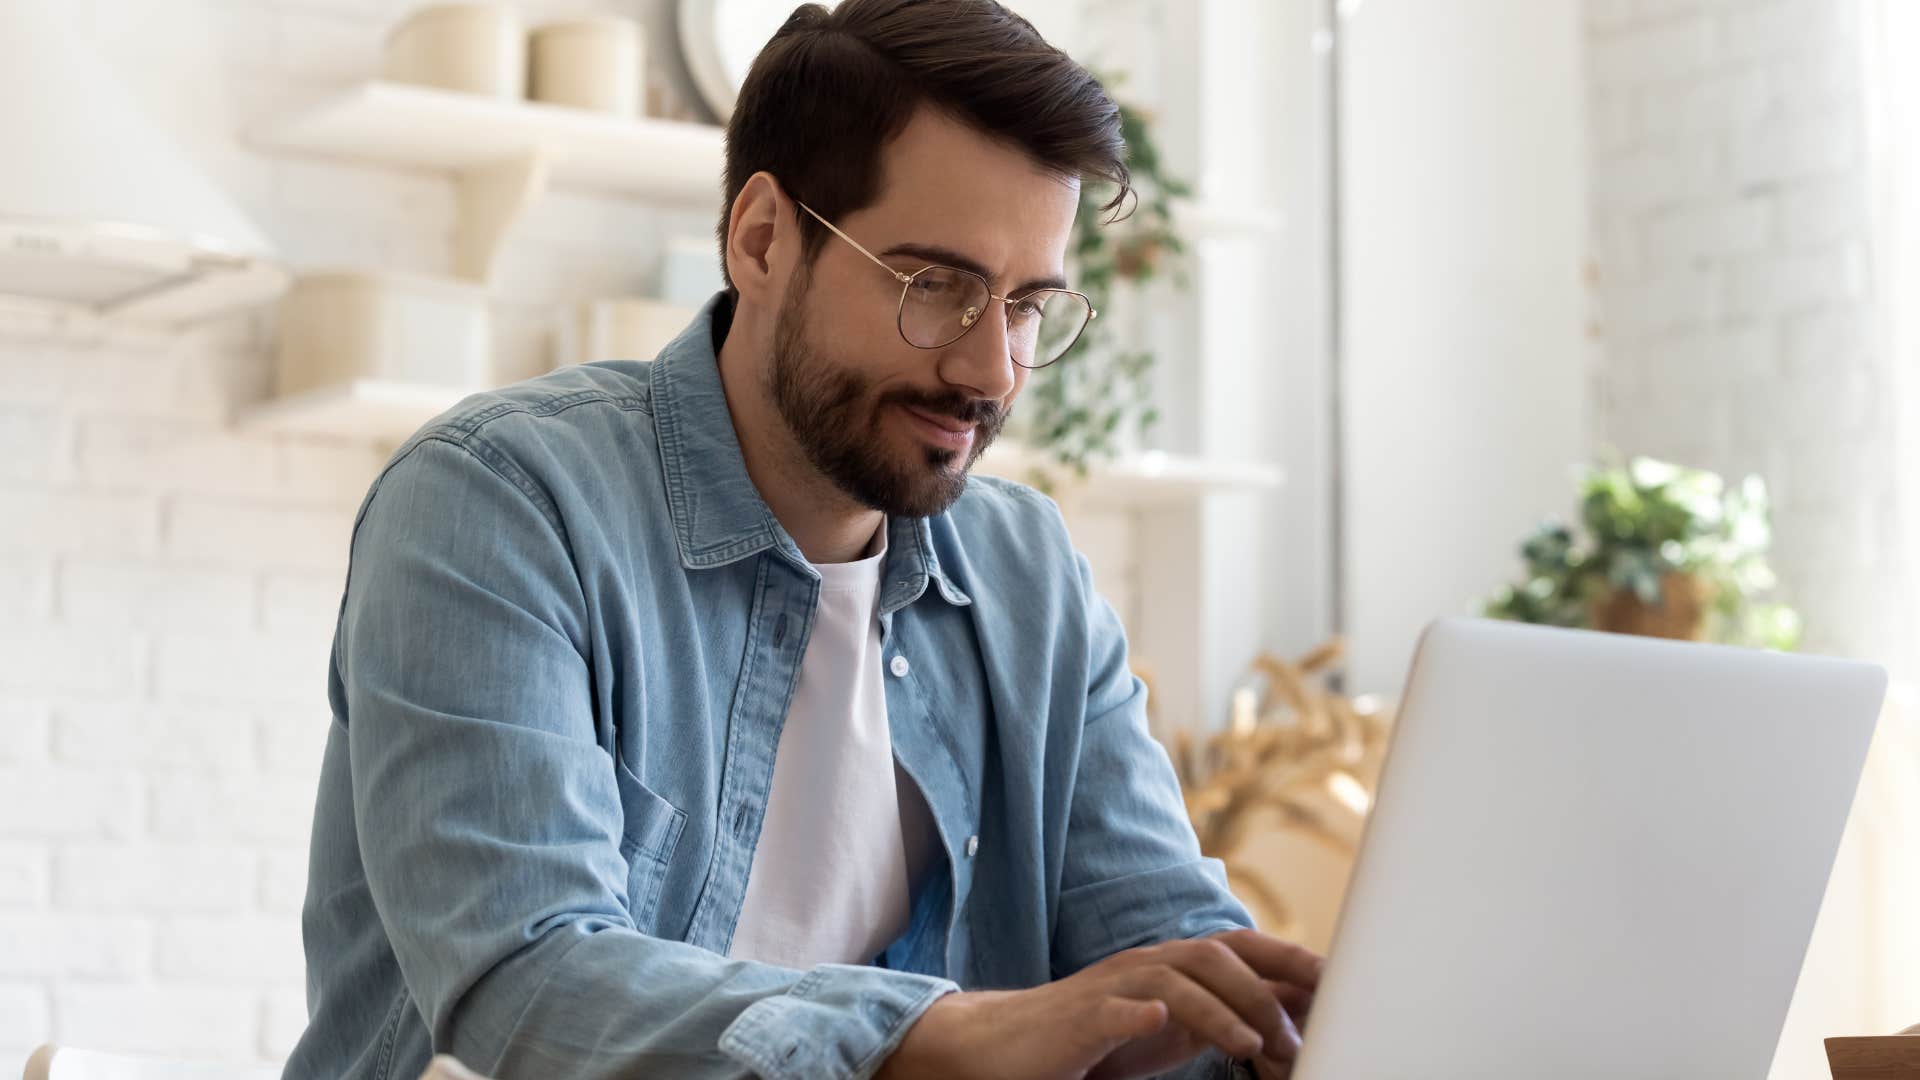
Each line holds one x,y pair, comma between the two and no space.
926,481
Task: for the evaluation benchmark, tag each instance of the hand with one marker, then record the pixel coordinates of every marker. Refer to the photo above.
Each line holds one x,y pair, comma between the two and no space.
1136,1013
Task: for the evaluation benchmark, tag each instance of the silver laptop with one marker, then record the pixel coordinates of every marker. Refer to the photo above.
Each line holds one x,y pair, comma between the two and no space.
1592,856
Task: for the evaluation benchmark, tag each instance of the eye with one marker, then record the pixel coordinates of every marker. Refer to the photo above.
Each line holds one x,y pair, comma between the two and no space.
930,285
1027,309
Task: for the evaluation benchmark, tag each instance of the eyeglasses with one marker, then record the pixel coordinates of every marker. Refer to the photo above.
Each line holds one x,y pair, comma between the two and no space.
939,304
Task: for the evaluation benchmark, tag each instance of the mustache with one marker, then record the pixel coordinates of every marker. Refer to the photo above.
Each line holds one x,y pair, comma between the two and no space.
980,412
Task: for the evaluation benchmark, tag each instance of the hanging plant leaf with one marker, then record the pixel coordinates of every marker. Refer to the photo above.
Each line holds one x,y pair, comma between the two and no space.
1079,406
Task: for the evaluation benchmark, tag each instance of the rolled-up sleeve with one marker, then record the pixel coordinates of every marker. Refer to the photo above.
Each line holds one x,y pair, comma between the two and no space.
490,822
1132,874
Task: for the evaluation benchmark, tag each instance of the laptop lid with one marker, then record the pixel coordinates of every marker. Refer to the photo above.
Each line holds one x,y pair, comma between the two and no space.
1592,855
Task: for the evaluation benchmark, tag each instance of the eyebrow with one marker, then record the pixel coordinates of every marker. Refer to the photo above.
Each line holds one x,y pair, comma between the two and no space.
948,257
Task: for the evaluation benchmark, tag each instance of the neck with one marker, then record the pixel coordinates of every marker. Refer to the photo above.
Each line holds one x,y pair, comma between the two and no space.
828,526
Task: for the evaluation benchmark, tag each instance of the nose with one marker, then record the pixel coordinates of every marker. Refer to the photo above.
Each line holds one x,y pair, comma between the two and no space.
981,362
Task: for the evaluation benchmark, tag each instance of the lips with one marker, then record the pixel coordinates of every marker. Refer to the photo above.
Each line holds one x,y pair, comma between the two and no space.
946,423
944,432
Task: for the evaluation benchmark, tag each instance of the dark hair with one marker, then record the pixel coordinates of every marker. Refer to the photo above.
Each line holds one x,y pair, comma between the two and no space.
834,87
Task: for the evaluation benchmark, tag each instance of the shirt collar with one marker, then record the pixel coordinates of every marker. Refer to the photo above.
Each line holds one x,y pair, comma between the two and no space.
718,515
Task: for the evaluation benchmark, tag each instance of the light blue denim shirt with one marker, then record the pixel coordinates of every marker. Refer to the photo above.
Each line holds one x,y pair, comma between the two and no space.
570,632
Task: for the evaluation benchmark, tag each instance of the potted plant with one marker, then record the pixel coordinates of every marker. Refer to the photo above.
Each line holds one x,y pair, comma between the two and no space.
1666,552
1080,411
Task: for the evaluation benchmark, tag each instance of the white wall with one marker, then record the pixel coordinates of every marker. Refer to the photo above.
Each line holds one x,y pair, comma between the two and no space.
1731,210
168,592
1464,309
1736,242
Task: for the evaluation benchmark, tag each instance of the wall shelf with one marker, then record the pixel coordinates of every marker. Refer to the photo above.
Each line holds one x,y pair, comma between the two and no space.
377,410
1215,218
387,411
1146,480
503,154
419,127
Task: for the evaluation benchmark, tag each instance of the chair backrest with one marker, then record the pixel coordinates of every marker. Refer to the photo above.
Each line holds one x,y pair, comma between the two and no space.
52,1062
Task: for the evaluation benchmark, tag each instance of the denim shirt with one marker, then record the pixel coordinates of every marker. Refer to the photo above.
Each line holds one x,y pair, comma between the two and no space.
569,635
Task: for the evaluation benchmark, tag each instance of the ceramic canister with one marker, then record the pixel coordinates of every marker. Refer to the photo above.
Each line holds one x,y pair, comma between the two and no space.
589,63
473,48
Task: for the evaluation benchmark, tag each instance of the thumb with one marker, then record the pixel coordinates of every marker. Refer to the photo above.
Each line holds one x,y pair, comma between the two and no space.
1121,1019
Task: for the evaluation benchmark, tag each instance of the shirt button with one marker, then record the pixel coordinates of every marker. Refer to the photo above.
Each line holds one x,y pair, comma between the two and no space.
900,667
973,845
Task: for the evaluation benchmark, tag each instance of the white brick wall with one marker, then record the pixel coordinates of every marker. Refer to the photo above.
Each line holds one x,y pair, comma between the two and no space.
180,1018
23,874
168,586
23,1012
1733,235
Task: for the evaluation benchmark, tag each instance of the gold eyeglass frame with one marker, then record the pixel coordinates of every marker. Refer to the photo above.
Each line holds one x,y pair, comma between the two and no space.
969,318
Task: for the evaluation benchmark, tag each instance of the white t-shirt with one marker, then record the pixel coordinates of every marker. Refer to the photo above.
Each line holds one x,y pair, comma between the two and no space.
846,832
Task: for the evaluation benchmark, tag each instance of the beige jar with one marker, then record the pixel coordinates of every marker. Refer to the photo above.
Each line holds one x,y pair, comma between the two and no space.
473,48
339,326
590,63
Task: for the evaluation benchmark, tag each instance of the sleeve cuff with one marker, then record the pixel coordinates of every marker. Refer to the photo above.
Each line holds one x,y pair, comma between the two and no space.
840,1021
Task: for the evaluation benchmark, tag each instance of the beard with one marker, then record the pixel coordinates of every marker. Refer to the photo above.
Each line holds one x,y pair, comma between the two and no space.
836,420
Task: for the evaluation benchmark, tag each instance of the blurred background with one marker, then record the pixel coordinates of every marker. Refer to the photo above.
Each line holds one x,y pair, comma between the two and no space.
1430,307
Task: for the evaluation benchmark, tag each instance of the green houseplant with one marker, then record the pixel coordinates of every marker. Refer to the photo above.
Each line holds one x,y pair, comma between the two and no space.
1666,551
1077,410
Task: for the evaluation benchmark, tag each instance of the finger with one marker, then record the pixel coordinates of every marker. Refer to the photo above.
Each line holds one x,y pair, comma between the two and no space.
1121,1019
1275,959
1295,998
1297,1001
1287,1050
1218,968
1193,1007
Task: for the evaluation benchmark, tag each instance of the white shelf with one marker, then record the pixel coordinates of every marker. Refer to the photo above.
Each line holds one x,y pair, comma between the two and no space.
369,410
504,155
1148,480
130,274
388,411
1205,219
422,128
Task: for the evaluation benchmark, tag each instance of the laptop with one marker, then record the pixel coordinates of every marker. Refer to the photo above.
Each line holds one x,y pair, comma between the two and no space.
1591,855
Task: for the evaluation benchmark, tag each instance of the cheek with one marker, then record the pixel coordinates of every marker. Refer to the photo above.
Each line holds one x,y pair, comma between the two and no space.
867,341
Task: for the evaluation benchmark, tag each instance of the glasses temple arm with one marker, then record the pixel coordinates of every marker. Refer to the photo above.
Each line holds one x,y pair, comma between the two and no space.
898,276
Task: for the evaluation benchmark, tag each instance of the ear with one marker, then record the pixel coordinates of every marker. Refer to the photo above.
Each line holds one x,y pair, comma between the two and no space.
761,239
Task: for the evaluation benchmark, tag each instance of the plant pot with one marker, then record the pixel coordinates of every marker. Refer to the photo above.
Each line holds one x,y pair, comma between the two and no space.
1681,614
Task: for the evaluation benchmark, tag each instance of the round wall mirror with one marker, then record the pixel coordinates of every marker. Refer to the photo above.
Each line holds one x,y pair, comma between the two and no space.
720,38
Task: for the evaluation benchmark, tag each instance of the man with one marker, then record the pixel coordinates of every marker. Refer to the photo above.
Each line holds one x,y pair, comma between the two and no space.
702,718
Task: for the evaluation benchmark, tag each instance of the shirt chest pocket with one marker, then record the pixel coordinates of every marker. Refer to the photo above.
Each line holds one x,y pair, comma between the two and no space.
651,830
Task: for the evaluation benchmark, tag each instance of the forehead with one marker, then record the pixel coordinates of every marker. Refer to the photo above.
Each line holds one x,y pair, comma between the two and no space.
943,182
